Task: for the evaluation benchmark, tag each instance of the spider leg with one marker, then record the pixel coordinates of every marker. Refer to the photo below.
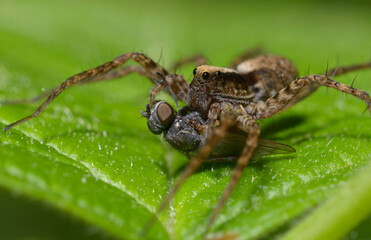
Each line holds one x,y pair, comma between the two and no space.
282,99
27,101
245,56
104,72
227,119
249,125
198,60
312,87
342,70
108,76
119,73
177,82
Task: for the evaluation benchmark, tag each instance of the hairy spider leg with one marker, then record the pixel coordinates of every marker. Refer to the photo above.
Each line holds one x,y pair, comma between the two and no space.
312,87
278,103
104,72
108,76
249,125
227,119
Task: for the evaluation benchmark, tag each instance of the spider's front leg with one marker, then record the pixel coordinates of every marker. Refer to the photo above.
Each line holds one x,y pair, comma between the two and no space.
227,119
106,71
122,72
283,98
248,124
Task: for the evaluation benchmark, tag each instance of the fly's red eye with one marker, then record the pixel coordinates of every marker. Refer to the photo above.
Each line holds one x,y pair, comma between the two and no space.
205,75
165,113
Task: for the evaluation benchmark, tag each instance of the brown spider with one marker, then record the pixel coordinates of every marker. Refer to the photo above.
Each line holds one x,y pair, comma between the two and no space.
220,101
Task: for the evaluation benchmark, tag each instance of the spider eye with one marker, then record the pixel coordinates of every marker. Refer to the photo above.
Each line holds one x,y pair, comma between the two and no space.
166,114
194,71
205,75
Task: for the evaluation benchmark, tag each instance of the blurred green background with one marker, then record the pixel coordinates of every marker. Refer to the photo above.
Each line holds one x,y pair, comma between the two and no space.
43,42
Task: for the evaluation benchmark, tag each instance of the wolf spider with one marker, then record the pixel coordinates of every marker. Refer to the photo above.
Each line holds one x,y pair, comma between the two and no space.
221,103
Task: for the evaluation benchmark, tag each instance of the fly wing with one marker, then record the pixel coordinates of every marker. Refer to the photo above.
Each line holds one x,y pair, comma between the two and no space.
230,148
268,147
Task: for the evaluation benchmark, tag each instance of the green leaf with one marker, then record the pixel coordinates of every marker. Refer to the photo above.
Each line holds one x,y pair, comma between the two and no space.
343,211
90,155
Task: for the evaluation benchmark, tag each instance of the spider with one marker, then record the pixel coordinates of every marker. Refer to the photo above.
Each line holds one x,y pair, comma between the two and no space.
222,103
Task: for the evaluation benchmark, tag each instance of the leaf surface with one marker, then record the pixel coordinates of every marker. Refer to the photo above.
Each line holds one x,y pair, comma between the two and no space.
91,155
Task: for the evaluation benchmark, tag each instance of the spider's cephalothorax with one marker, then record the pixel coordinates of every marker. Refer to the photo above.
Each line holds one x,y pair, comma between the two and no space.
215,85
253,82
223,106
